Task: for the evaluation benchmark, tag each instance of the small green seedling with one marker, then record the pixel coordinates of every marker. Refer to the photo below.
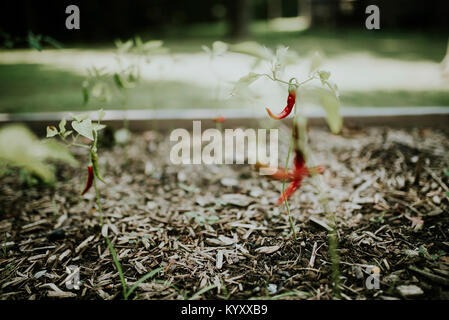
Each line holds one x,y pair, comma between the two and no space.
127,292
82,126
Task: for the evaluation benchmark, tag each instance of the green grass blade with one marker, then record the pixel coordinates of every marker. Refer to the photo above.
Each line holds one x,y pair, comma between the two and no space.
118,266
138,282
199,293
289,294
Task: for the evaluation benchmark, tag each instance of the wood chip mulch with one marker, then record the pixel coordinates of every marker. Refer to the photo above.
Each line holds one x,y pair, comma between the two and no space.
219,226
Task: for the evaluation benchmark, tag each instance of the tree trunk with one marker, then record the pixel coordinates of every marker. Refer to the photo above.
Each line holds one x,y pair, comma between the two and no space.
304,9
274,8
239,16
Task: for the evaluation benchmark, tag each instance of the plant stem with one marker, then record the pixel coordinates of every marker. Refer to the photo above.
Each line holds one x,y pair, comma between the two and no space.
292,226
73,142
97,192
97,198
332,235
298,84
290,147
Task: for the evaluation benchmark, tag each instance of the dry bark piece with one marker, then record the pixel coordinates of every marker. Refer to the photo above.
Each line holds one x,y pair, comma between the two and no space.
229,182
84,243
268,250
321,223
219,262
237,199
410,290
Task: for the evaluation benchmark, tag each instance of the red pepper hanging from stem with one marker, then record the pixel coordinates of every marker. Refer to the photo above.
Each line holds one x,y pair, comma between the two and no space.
90,179
291,99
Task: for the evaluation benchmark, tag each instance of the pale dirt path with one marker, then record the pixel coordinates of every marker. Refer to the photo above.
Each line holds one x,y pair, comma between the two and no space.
360,71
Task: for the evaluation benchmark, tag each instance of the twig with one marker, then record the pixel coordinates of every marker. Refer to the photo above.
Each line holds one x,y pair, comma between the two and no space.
406,205
312,258
437,179
430,276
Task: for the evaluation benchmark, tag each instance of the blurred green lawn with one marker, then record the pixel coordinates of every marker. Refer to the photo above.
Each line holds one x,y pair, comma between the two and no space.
399,44
31,87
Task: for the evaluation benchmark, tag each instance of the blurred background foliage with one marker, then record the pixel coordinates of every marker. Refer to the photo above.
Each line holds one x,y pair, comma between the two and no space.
413,40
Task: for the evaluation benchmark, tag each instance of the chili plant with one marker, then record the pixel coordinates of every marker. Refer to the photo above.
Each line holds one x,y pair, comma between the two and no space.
105,83
327,93
34,41
83,126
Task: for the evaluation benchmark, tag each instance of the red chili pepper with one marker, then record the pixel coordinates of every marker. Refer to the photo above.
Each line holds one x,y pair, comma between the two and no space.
296,175
90,179
290,104
218,119
295,184
299,172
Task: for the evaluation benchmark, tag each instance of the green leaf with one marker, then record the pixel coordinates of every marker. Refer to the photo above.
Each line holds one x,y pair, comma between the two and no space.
324,76
34,41
153,45
332,86
446,172
246,81
252,48
67,133
219,48
84,128
283,57
124,47
315,62
331,105
29,153
51,131
138,41
98,127
53,42
118,81
81,117
57,151
62,124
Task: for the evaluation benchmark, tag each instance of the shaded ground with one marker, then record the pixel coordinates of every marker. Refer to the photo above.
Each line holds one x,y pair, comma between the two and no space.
220,226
